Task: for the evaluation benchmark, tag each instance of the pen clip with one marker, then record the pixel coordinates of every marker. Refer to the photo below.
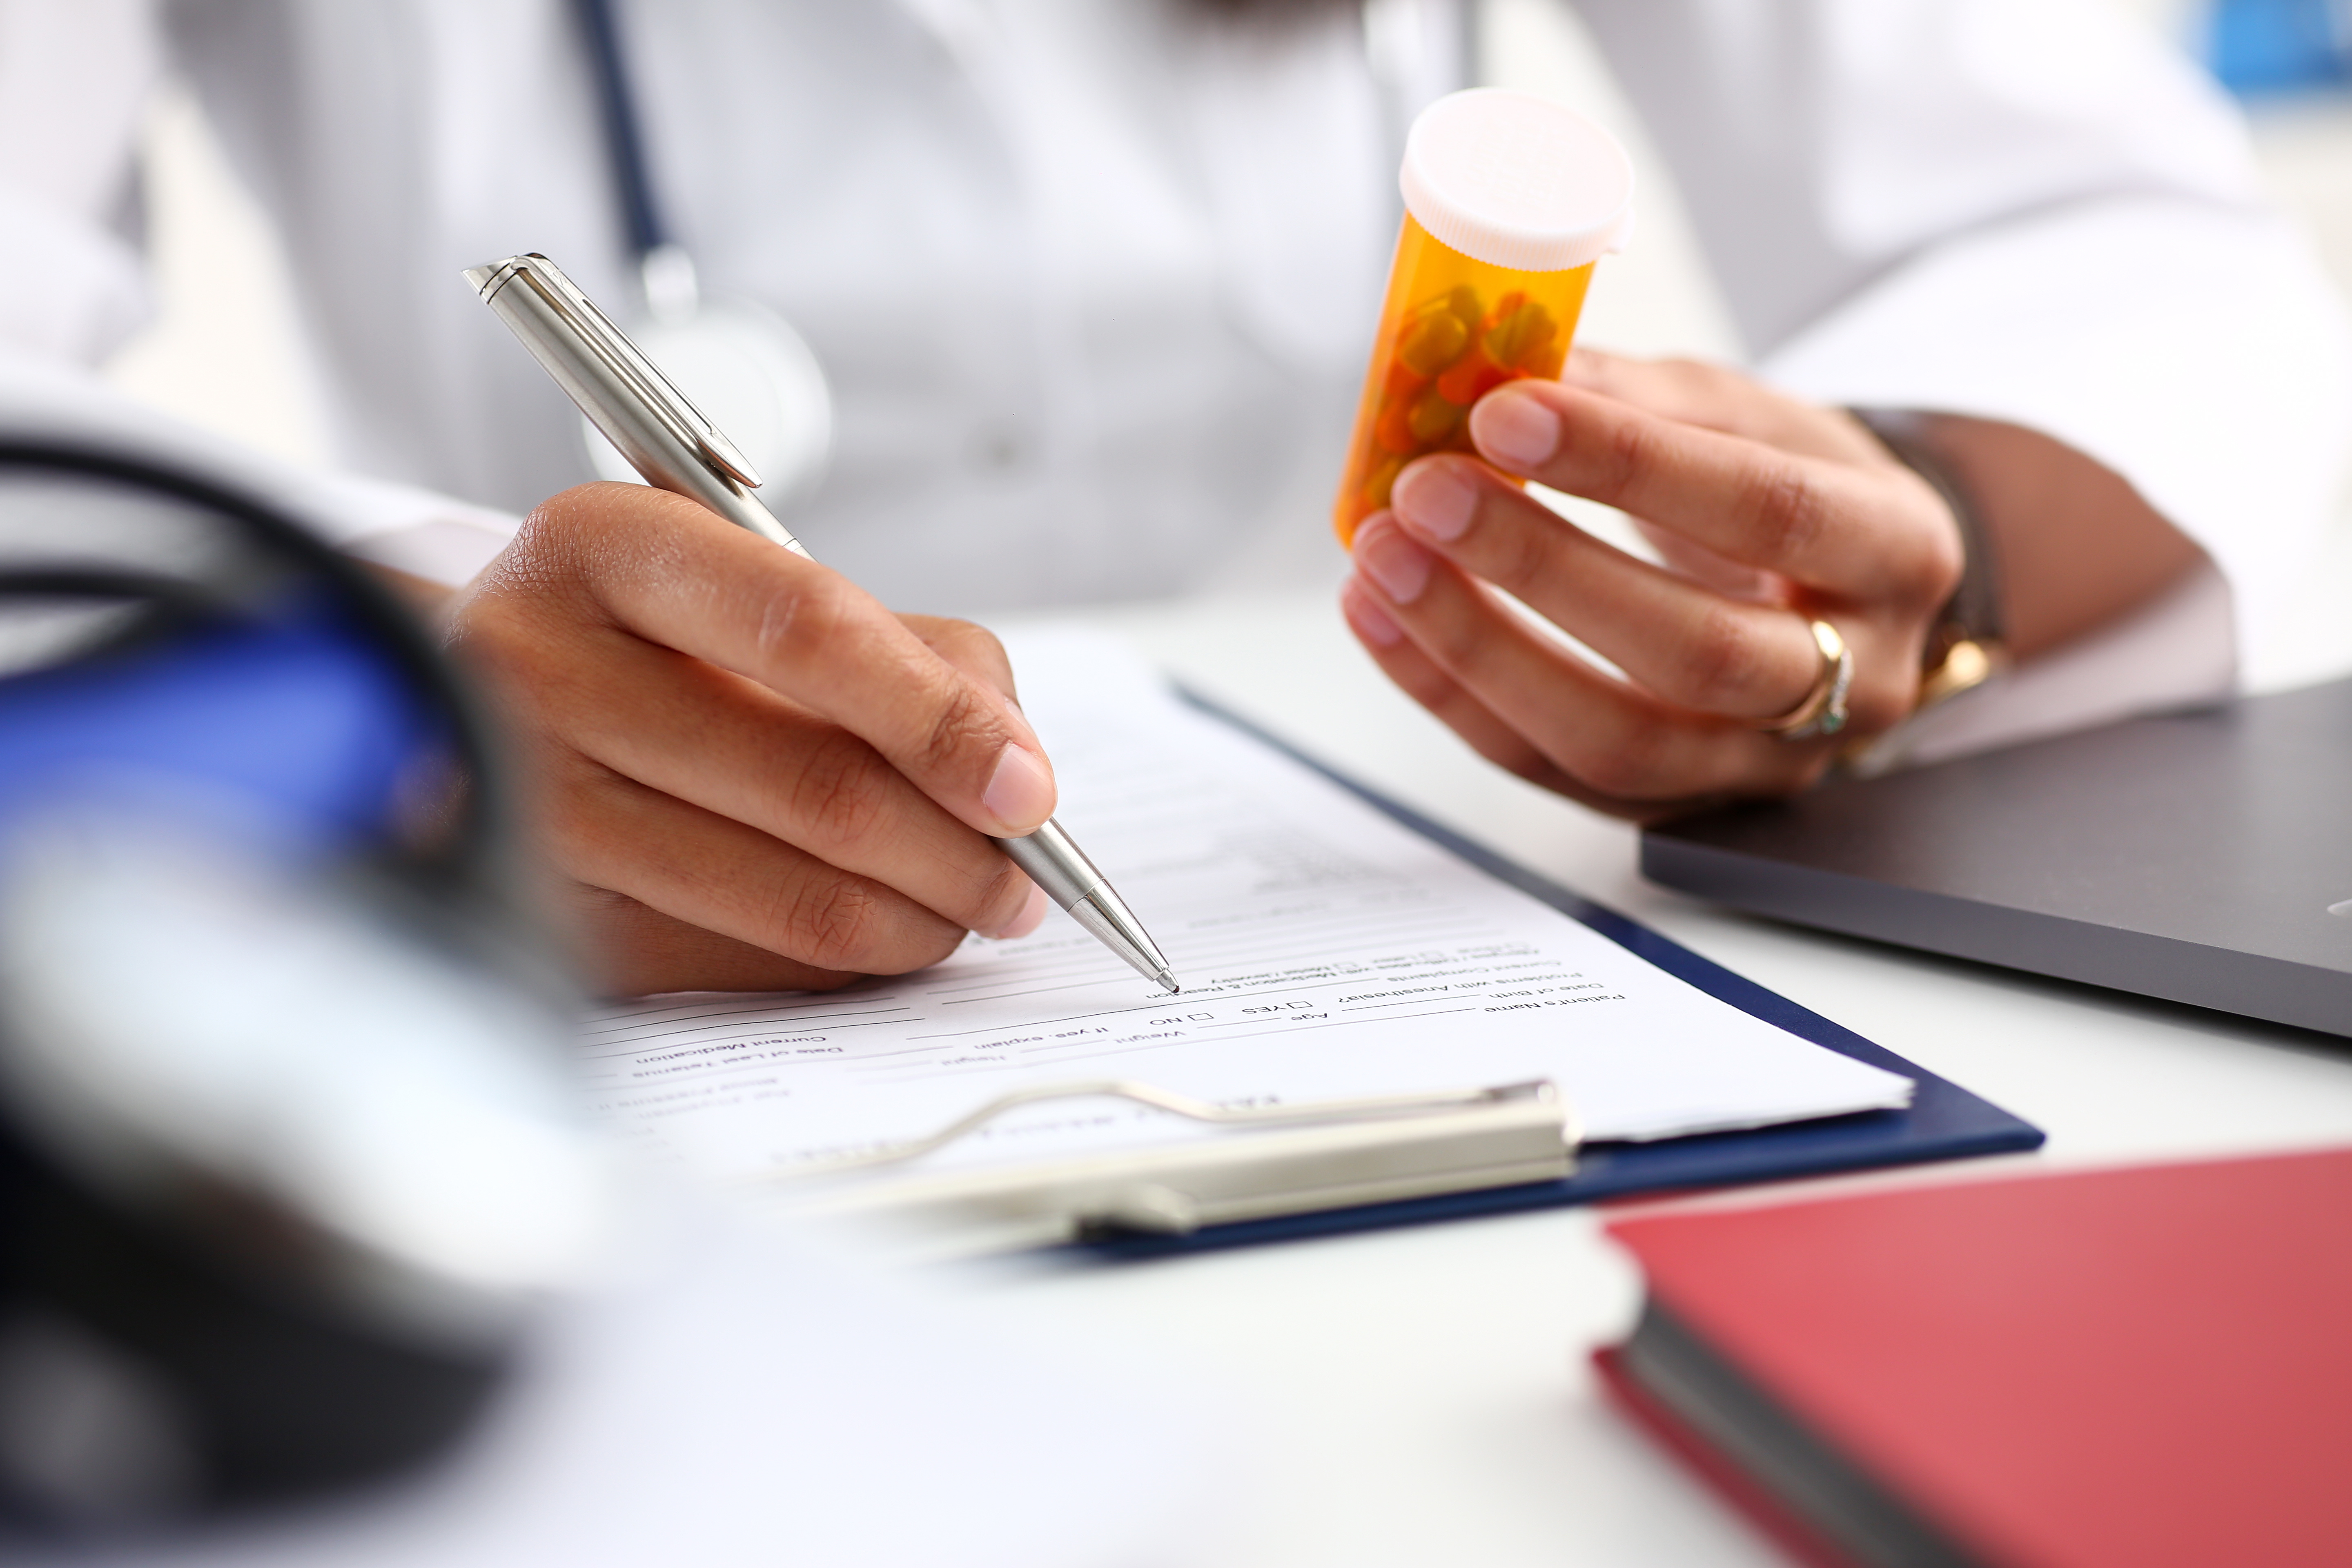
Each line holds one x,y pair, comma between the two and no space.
612,346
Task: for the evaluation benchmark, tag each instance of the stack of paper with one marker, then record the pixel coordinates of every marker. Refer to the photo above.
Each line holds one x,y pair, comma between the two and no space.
1325,949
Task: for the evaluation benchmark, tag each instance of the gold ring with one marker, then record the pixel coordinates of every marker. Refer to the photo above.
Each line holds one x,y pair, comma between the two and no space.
1823,713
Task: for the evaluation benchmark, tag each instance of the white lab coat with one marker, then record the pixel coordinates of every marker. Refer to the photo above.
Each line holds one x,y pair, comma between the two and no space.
1093,278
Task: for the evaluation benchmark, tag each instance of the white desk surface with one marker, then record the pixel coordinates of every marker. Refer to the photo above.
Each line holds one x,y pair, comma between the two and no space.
1413,1396
1422,1396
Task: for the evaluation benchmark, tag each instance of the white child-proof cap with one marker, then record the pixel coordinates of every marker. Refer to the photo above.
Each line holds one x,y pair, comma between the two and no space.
1514,180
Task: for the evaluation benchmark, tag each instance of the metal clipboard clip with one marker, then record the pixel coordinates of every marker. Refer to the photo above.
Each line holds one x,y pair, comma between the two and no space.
1281,1160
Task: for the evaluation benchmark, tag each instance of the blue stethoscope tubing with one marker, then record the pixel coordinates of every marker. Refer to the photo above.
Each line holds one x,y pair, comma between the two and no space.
744,364
624,143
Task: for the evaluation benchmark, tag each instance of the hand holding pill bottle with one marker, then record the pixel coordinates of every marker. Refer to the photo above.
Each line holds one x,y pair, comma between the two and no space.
1510,200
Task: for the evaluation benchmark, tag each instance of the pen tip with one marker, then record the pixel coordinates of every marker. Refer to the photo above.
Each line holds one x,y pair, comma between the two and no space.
1167,979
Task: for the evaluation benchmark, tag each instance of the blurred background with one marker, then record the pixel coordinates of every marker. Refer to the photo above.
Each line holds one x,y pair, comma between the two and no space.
222,352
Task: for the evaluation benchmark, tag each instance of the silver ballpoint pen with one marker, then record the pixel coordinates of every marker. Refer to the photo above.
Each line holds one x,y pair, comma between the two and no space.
668,441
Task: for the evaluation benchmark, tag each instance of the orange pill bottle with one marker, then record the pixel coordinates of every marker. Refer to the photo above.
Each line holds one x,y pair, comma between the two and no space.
1509,199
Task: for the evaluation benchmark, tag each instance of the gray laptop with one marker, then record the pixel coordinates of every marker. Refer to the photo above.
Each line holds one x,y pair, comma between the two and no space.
2203,857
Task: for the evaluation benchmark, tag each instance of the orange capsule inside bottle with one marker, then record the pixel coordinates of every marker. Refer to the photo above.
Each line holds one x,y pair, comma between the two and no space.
1509,183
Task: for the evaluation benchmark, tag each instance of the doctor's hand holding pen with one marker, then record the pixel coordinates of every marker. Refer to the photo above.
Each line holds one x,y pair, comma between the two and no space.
749,775
755,776
1809,576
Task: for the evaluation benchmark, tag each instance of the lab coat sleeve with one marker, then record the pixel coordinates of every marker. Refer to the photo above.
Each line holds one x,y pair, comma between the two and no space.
2025,210
74,79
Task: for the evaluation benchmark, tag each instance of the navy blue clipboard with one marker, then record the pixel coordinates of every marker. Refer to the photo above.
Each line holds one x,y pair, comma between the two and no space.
1944,1121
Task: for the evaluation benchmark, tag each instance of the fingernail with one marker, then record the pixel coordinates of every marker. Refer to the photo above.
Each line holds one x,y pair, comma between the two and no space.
1364,613
1515,429
1435,501
1399,565
1020,793
1032,916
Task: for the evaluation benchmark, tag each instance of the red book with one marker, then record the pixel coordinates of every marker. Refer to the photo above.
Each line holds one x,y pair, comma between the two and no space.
2140,1367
